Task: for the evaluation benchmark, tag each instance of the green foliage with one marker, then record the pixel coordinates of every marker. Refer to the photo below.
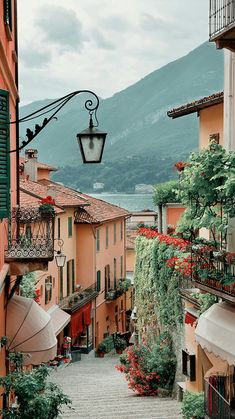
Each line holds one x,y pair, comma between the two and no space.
28,285
157,296
163,360
106,345
119,343
207,187
193,405
166,192
205,300
37,398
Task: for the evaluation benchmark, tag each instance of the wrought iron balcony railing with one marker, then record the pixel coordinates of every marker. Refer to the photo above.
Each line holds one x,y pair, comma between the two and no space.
30,235
117,289
215,270
216,406
78,299
221,17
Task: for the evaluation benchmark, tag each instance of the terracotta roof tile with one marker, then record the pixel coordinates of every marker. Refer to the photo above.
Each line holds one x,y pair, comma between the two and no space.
97,210
27,200
197,105
64,197
101,211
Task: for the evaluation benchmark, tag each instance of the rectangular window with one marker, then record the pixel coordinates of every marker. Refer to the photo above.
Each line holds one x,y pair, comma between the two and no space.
114,233
58,227
98,281
121,267
48,289
73,274
68,278
107,237
61,282
70,226
121,230
98,240
4,155
115,272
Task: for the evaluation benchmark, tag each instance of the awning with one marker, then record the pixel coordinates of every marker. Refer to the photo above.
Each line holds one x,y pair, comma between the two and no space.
80,319
30,330
59,318
215,331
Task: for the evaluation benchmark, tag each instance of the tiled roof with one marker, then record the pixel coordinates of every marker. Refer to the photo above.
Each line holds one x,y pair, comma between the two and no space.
95,211
100,211
27,200
40,165
197,105
64,197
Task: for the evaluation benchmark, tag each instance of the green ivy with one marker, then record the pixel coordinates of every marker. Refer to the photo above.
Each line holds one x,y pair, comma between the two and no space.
28,285
157,298
193,405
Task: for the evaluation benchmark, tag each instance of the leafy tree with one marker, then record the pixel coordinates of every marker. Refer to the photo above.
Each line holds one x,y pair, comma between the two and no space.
166,192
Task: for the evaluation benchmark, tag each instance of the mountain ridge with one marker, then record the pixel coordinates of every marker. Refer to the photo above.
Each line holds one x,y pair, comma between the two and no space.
136,121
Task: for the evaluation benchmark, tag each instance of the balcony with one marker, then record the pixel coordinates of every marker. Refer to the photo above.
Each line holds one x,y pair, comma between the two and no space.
214,272
222,23
216,406
78,299
117,290
30,238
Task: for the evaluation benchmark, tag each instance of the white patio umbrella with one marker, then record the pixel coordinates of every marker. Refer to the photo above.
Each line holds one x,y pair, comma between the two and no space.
29,330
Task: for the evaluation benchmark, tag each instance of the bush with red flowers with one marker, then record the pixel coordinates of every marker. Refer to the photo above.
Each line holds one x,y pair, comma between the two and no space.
149,368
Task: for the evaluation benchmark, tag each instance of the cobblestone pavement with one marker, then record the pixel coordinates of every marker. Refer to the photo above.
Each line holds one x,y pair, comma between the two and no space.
99,391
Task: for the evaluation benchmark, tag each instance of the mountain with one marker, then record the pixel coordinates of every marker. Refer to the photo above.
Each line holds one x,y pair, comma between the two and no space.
142,142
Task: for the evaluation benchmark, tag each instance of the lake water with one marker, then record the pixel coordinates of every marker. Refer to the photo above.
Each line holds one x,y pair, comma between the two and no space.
131,202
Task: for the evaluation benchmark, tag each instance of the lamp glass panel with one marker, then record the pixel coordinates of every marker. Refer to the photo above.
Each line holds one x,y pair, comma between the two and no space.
92,147
60,260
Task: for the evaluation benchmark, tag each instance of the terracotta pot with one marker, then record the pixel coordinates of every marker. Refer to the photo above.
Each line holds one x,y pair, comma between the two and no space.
100,354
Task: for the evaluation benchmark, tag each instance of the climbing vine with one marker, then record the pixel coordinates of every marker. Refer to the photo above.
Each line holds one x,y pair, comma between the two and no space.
157,295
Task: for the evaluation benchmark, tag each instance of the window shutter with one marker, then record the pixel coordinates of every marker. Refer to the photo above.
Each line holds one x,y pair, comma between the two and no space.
8,13
73,276
4,155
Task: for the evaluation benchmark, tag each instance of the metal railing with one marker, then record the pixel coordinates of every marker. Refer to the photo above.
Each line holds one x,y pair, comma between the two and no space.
78,299
30,235
221,16
118,289
214,270
216,406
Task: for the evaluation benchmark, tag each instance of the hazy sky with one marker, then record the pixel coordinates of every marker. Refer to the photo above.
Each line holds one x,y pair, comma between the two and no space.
102,45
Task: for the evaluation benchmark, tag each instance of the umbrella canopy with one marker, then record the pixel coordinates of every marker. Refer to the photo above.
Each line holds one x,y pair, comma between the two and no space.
29,330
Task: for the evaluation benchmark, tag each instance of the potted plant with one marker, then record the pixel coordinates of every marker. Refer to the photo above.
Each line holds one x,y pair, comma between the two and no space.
119,344
101,350
46,207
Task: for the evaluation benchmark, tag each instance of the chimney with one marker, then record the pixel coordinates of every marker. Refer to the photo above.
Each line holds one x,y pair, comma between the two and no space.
30,165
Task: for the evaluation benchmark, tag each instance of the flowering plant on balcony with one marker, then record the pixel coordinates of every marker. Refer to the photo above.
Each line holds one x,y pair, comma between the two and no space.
47,205
180,166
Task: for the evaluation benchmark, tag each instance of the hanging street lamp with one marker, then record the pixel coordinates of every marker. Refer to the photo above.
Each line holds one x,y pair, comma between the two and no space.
91,140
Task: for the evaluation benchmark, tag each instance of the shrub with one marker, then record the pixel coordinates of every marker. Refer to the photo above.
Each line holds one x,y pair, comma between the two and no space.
119,343
106,345
193,405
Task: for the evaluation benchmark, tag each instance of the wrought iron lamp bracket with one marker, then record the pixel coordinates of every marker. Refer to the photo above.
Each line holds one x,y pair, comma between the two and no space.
91,106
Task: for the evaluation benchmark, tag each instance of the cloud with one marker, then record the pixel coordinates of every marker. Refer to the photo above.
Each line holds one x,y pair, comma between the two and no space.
35,59
116,23
151,23
61,27
101,41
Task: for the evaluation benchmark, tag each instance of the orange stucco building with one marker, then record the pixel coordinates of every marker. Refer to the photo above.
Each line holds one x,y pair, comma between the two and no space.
8,135
88,287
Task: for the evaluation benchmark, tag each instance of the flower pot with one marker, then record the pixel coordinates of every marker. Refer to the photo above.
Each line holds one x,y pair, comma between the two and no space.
119,351
100,354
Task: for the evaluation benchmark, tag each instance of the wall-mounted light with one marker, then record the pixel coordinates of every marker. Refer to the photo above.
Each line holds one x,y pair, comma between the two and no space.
60,258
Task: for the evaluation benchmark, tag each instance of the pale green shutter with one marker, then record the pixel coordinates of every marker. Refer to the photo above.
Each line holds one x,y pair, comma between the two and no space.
4,155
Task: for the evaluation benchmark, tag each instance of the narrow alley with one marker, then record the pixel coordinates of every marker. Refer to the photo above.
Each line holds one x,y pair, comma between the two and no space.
99,391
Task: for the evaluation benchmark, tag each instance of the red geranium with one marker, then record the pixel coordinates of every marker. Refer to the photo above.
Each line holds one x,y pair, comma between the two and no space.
180,165
48,200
